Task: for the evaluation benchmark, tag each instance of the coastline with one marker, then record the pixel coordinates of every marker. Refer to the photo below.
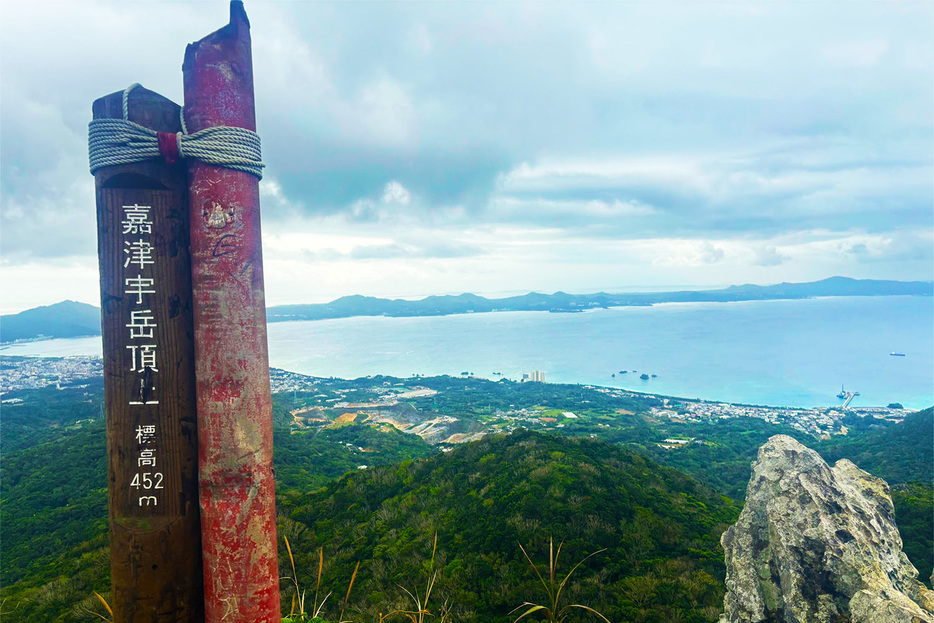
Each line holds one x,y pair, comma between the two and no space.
55,318
20,372
795,353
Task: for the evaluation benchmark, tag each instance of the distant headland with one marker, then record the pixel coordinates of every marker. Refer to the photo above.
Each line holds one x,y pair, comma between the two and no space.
561,302
71,319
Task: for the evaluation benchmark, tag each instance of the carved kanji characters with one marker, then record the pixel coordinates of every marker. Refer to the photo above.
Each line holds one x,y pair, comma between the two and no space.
141,324
139,252
142,357
145,433
139,286
136,220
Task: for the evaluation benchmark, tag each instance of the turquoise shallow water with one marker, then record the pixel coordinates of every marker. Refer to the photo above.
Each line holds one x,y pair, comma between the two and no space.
790,353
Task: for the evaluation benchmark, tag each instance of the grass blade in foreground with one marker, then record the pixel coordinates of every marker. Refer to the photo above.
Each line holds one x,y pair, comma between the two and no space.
553,592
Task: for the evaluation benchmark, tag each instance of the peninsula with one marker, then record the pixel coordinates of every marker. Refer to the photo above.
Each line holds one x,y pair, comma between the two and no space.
562,302
70,319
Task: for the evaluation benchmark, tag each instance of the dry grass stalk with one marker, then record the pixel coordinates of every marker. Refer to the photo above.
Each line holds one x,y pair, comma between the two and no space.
106,607
347,596
421,611
553,589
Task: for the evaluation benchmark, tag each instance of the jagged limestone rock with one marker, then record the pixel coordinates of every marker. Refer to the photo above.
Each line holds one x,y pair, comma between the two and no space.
816,544
869,607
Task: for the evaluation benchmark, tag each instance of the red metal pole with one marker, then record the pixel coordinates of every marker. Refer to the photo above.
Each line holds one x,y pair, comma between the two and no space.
237,490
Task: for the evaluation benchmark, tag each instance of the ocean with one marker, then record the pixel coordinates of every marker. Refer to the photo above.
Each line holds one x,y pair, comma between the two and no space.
779,353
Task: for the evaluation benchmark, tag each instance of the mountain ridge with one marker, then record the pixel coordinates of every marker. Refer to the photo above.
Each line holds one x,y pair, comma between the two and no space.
65,319
656,525
71,319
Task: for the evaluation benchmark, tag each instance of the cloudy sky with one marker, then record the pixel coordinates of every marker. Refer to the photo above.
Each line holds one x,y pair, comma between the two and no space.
429,148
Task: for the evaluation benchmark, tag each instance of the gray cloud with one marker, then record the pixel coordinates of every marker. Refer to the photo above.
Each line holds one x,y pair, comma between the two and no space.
768,255
330,179
602,121
711,254
406,250
607,82
438,251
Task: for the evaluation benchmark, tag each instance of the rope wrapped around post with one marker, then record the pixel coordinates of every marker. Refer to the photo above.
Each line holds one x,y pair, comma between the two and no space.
120,141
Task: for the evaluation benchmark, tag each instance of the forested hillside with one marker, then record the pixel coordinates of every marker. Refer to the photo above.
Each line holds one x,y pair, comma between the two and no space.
660,530
53,503
658,525
53,508
897,453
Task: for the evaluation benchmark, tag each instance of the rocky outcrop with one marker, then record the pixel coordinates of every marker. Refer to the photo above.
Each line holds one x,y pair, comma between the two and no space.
816,544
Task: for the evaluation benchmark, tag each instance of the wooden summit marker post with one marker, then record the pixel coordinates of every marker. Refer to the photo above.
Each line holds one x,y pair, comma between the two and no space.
146,322
238,506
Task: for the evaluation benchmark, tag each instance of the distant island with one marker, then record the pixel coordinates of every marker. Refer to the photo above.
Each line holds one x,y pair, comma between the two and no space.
70,319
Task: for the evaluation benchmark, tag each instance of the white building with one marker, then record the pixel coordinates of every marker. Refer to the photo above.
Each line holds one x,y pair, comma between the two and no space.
535,377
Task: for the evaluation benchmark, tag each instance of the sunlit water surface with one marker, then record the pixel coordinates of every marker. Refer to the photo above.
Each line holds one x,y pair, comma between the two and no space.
794,353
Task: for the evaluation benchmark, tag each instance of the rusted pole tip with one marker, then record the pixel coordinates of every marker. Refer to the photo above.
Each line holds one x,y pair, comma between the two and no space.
229,31
238,12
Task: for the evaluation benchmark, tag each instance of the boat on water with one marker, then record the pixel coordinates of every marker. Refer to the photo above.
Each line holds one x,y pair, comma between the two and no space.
894,354
842,394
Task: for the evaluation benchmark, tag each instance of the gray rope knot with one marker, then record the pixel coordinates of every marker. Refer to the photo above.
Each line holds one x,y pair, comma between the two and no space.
120,141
